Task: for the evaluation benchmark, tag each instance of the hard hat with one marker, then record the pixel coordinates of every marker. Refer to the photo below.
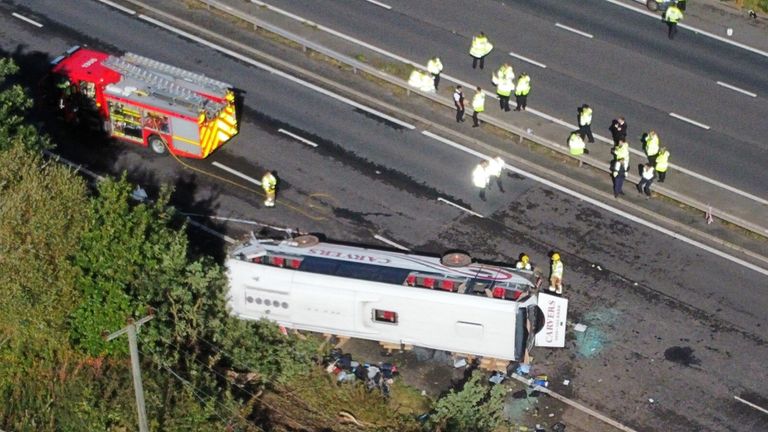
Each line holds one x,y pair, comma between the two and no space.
524,258
555,256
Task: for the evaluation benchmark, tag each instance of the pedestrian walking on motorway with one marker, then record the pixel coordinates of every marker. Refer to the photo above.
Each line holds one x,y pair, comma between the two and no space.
269,184
523,262
556,274
618,130
662,164
480,48
621,151
478,106
619,173
495,167
672,15
458,102
646,178
585,122
435,67
481,178
522,89
576,144
651,145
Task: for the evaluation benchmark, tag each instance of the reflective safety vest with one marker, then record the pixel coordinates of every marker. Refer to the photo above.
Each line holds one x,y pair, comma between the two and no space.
480,176
505,87
434,66
652,145
478,102
268,182
495,166
576,144
505,72
622,152
673,14
557,268
523,85
585,118
662,161
422,81
480,46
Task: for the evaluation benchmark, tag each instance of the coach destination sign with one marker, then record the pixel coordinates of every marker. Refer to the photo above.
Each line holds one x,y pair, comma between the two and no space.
555,313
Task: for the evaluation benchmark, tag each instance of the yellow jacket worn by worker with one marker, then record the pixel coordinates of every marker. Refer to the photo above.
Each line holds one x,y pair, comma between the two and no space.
434,66
421,81
505,87
556,274
480,177
523,86
495,166
478,101
621,152
576,144
673,14
585,117
269,184
662,160
652,144
523,263
505,72
480,46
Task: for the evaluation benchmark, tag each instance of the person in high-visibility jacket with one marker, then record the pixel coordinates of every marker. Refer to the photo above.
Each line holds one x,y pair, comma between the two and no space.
672,15
621,152
494,169
480,48
435,67
269,184
585,122
523,262
662,164
651,146
481,178
64,88
504,91
576,144
556,274
505,71
422,81
522,88
478,106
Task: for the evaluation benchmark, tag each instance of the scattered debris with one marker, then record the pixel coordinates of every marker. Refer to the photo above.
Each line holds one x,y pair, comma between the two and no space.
580,327
566,382
459,363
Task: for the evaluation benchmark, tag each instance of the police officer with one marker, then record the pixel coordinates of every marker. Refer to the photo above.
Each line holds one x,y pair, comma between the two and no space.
662,164
435,67
478,106
458,102
576,144
618,130
480,178
651,146
556,274
480,48
522,89
646,179
585,122
621,151
672,15
269,184
618,173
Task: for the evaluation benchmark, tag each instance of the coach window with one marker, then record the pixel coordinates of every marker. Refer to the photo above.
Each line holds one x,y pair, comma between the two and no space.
385,316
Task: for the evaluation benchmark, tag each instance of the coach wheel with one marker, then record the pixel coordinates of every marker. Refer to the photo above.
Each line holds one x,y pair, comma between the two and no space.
456,259
652,5
306,240
157,144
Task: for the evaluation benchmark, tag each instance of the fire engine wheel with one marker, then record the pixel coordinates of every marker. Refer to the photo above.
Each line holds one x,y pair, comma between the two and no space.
157,144
652,5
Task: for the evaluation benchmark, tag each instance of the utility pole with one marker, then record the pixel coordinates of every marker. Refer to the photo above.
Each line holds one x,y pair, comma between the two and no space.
138,388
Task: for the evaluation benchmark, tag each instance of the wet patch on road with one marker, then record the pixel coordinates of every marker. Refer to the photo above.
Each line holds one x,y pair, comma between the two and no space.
682,356
381,120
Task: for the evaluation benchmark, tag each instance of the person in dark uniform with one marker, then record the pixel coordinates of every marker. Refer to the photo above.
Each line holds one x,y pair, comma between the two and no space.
618,130
619,173
458,102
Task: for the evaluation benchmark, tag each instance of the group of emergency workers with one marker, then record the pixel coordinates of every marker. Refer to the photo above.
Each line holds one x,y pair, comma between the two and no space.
555,270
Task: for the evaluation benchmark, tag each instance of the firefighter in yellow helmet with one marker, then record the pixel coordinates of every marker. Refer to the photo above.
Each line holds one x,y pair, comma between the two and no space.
523,263
556,274
269,184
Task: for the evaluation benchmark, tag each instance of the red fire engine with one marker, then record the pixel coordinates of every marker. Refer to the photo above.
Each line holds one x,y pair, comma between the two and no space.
147,102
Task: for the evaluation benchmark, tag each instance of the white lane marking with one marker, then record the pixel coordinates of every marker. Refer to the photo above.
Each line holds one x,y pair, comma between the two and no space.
526,59
390,242
734,88
277,72
686,119
757,407
224,237
296,137
571,29
237,173
380,4
641,10
607,207
30,21
119,7
460,207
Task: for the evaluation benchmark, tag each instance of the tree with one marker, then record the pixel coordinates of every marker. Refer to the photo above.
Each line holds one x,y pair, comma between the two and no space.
474,408
14,105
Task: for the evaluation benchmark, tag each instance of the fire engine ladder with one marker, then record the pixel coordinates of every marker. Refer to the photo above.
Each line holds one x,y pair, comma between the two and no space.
176,72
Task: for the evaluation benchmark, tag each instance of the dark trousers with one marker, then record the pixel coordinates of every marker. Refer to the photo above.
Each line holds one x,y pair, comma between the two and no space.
437,80
672,29
617,138
503,102
586,130
482,194
661,175
475,60
652,159
618,185
459,114
475,121
645,186
522,102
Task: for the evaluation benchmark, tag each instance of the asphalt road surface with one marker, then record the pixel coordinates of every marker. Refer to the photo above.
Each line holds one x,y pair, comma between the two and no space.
667,321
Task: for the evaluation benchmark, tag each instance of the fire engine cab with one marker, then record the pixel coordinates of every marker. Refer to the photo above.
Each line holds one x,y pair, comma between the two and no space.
146,102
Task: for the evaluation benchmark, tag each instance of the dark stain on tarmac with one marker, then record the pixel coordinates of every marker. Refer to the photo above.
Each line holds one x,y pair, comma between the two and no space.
682,356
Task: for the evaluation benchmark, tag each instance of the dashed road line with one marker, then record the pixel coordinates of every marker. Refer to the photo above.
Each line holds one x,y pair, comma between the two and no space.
296,137
573,30
450,203
275,71
687,120
390,242
236,173
380,4
734,88
526,59
118,7
746,402
28,20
